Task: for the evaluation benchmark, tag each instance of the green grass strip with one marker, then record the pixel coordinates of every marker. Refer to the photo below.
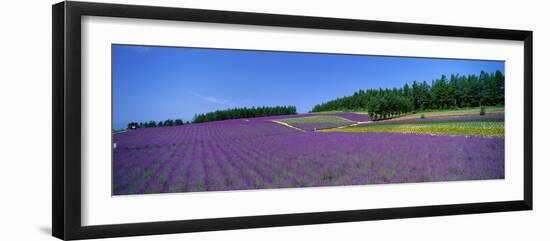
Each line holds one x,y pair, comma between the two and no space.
315,119
468,128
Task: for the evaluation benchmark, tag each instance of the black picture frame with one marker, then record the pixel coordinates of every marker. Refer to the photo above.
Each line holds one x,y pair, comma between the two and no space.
66,75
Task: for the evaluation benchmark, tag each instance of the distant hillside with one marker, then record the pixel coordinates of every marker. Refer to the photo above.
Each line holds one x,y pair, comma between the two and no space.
244,112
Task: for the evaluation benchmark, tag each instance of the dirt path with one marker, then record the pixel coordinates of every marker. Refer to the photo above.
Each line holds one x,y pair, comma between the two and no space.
354,124
287,125
302,130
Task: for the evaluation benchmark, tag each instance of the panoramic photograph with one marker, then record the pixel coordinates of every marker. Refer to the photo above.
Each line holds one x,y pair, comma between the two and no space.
202,119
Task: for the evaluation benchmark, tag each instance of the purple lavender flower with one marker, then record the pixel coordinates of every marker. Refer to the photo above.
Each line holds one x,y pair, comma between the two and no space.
257,153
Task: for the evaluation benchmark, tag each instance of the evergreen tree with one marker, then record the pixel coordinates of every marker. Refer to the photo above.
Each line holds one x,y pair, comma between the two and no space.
245,112
442,93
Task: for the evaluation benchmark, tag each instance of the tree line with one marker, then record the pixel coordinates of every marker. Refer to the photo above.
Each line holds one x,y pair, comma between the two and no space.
149,124
244,112
235,113
485,89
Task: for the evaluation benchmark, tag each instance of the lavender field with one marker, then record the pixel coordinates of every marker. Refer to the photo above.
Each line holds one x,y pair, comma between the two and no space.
258,153
193,119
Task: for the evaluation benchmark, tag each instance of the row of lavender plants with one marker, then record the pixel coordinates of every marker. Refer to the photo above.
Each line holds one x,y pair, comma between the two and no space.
257,153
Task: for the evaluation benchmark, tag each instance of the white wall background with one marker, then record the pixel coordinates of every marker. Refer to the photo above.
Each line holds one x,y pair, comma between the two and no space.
25,107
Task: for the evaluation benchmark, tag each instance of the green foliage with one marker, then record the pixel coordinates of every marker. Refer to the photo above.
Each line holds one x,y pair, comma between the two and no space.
178,122
458,91
245,112
220,115
150,124
132,125
168,123
482,110
422,116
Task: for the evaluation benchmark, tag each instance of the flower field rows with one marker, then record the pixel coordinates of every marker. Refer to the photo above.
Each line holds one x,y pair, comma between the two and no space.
438,119
257,153
484,127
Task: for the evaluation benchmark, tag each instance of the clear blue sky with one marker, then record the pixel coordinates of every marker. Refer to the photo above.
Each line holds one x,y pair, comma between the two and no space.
159,83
